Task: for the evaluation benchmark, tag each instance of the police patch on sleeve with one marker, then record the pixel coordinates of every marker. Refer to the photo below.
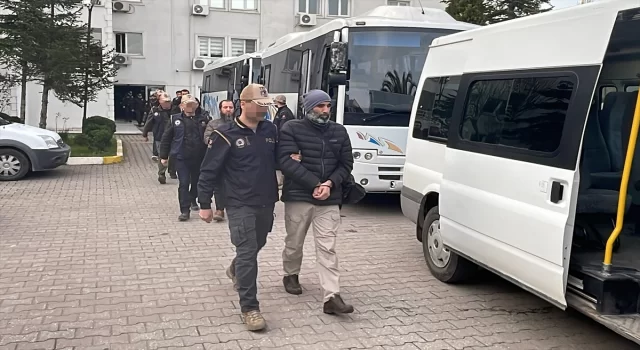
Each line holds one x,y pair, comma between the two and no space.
240,143
177,122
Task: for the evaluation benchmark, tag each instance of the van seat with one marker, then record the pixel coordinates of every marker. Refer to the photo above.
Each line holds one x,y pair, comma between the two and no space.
616,108
630,99
597,153
594,200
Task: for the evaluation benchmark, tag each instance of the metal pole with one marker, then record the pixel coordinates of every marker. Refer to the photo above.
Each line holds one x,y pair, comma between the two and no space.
87,66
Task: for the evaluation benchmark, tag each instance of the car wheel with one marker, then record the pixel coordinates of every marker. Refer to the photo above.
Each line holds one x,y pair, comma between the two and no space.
14,165
444,264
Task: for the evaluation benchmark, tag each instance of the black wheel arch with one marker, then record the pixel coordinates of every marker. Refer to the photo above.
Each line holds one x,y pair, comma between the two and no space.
429,201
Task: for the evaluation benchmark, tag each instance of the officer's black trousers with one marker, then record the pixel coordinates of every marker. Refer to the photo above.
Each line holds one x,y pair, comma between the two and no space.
218,195
249,227
188,173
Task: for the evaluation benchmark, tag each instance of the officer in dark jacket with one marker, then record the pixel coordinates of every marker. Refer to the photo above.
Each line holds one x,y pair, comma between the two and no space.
284,113
312,194
158,121
183,141
243,155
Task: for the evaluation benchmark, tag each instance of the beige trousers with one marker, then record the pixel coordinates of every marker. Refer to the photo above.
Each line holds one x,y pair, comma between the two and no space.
299,216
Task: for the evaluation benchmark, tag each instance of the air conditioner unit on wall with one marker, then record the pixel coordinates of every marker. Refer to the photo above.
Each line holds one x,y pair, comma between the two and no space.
307,19
200,10
200,63
122,60
120,6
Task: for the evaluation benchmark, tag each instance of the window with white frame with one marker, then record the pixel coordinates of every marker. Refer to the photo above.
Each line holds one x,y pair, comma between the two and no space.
250,5
308,6
398,2
218,4
129,43
210,47
338,7
242,46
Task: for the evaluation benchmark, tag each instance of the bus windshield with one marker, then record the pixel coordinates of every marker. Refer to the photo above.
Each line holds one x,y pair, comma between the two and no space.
385,69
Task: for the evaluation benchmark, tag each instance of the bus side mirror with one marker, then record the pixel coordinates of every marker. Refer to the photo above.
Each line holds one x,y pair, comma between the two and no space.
338,64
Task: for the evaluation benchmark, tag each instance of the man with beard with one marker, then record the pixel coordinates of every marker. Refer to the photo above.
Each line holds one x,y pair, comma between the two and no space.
226,116
159,120
312,194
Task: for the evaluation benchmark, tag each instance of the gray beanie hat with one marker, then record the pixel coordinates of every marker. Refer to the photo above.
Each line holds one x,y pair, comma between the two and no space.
314,98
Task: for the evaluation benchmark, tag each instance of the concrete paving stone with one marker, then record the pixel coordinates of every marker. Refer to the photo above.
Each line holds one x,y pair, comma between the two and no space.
93,257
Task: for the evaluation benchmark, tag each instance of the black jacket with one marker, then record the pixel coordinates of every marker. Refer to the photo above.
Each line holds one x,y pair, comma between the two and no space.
283,115
319,163
157,122
184,138
246,163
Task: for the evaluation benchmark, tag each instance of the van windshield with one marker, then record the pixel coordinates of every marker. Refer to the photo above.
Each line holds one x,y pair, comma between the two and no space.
4,122
386,64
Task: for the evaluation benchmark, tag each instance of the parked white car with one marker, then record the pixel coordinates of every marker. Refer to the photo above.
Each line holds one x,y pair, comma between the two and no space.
26,148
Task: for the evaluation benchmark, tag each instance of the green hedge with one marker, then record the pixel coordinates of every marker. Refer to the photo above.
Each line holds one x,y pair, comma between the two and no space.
97,133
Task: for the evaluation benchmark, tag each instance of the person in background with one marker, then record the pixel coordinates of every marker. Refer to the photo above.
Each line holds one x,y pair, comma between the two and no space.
138,106
175,104
284,113
226,117
242,154
128,106
312,194
183,141
158,122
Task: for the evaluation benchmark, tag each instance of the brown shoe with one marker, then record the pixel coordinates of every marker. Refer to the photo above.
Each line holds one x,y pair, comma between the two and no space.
336,305
253,320
218,215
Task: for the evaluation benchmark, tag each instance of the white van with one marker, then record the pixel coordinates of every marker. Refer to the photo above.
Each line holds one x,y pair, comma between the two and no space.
515,161
26,148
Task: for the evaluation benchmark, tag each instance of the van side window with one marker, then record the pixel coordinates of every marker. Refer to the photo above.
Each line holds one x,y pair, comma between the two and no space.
435,108
525,113
631,88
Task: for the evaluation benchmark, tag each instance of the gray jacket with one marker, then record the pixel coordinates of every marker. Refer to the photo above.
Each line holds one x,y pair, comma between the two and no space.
214,124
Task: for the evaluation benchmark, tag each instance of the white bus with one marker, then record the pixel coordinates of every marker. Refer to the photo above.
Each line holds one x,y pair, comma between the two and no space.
522,159
225,78
369,65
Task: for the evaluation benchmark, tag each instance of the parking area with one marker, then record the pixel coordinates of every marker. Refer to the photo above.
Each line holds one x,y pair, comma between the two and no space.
93,257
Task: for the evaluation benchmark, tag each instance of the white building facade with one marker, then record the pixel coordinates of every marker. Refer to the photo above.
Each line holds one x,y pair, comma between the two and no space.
162,43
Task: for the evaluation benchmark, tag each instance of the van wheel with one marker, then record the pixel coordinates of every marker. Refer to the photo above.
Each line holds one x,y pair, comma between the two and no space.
444,264
14,165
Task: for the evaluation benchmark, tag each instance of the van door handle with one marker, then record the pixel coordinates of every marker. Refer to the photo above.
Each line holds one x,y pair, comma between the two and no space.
557,192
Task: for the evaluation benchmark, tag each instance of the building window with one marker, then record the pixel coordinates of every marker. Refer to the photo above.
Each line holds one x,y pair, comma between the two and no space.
524,113
308,6
338,8
210,47
435,108
244,5
219,4
242,46
129,43
398,3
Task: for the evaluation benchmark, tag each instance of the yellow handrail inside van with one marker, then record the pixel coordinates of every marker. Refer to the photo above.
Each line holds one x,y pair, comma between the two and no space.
624,184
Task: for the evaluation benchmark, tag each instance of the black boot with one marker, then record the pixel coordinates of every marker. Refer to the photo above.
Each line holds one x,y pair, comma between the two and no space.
162,179
184,216
336,305
291,284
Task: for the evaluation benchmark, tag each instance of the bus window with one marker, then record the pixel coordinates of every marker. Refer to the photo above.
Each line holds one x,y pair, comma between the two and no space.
631,88
604,91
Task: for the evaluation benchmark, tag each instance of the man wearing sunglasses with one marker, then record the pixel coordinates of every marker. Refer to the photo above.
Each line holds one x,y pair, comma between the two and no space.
315,158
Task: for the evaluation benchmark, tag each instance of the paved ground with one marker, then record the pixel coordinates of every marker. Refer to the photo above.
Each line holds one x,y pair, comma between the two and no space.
93,257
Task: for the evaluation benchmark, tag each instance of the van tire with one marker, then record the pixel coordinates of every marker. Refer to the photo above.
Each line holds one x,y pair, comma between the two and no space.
457,268
14,155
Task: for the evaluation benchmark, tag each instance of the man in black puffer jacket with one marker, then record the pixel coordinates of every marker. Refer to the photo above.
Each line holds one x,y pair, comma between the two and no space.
315,158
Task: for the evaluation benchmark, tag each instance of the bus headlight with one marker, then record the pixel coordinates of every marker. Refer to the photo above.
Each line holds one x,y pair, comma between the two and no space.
356,155
368,156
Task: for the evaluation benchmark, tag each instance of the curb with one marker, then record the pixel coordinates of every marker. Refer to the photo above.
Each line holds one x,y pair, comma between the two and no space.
118,158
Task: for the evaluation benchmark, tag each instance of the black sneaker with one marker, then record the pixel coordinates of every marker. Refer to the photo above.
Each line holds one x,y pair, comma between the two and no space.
336,305
195,207
292,285
184,216
162,179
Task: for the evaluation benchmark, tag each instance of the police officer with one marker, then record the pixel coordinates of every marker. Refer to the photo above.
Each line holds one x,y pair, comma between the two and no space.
158,122
183,141
242,154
